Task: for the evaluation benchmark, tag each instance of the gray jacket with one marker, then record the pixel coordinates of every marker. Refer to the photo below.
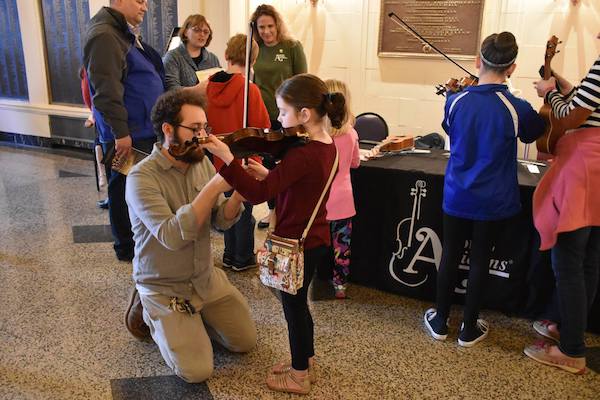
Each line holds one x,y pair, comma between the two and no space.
180,69
123,89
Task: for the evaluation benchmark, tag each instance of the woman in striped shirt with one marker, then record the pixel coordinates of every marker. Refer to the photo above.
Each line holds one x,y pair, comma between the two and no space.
567,215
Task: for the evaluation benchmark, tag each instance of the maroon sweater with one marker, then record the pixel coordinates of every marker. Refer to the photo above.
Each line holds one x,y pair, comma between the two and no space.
296,183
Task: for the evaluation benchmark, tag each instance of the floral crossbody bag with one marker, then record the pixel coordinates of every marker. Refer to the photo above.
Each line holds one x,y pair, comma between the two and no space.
281,260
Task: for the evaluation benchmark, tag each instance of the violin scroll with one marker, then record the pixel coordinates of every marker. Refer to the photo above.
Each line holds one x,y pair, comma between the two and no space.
180,151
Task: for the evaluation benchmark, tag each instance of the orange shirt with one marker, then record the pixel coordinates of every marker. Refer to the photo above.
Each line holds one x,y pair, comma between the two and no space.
225,95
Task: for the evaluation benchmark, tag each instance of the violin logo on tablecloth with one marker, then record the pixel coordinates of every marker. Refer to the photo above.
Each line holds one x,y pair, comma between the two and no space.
497,267
415,241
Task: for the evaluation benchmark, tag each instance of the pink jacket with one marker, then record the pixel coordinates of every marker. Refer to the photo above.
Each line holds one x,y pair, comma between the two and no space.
340,204
568,196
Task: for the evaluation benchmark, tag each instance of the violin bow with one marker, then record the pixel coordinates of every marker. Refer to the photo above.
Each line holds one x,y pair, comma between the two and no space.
401,23
247,72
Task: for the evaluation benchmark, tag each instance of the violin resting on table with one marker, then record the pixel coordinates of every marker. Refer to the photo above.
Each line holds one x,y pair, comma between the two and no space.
397,143
390,145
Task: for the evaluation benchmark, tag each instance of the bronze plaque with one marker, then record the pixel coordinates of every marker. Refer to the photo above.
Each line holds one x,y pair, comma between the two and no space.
453,26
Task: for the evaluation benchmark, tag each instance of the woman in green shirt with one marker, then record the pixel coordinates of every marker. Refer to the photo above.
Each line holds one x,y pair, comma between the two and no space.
279,58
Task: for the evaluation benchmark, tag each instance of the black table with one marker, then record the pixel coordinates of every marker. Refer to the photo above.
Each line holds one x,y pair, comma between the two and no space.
397,236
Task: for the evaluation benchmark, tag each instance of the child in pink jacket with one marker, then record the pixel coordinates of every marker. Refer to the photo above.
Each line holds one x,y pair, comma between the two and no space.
340,205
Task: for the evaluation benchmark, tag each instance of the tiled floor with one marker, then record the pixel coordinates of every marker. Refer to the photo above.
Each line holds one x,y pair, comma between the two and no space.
61,332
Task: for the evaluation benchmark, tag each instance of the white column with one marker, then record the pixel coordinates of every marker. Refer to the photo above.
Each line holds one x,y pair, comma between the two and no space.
96,5
32,36
239,16
217,13
189,7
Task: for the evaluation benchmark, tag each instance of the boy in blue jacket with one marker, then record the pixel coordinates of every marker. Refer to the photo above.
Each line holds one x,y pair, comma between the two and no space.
481,191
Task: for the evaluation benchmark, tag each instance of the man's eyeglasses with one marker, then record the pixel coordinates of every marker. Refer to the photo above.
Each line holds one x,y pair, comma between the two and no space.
198,29
196,131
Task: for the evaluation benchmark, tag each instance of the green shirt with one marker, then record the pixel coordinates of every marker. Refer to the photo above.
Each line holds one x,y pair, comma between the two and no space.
273,66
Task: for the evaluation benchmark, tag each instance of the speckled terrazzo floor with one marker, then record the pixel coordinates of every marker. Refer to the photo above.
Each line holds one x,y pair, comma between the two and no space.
61,332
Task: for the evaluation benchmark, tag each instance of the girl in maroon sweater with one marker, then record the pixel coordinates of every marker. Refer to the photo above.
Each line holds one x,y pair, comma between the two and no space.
296,183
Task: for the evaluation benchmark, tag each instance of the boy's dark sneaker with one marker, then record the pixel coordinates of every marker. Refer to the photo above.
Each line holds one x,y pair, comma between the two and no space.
103,204
438,333
244,266
227,262
468,338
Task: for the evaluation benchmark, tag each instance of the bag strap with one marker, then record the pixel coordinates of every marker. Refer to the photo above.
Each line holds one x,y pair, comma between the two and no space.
314,214
273,219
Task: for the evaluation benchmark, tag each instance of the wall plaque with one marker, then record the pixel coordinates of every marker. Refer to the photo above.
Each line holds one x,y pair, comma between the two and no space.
453,26
64,26
13,78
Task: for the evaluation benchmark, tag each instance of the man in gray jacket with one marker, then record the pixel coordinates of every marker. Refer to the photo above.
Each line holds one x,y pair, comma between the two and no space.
126,76
172,203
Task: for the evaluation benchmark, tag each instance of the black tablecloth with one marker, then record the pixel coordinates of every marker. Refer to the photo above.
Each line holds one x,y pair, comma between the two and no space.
397,236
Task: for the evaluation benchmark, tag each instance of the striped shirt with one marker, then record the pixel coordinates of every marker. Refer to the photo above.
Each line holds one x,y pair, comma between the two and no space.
586,95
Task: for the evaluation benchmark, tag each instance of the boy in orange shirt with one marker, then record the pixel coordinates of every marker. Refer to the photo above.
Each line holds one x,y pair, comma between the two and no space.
225,94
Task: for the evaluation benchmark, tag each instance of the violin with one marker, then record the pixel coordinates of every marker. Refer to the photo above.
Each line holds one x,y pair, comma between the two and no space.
397,143
391,145
454,85
180,151
248,141
555,128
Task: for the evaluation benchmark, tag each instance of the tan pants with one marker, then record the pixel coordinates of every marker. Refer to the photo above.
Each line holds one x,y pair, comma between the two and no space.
184,340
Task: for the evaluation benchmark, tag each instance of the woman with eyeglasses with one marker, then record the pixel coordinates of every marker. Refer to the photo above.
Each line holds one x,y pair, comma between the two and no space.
182,62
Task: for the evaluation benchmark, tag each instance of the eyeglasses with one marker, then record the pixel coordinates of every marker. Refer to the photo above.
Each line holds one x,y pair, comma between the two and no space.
198,29
196,131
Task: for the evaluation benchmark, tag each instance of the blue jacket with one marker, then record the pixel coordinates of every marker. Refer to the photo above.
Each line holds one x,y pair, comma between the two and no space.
483,123
125,81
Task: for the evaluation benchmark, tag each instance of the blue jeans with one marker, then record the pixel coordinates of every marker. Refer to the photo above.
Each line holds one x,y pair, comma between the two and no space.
576,261
117,207
239,239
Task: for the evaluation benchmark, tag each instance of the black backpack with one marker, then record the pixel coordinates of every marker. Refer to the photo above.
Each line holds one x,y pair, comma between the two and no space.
430,141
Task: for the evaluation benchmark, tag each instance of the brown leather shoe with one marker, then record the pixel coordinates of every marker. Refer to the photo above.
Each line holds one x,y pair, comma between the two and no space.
134,320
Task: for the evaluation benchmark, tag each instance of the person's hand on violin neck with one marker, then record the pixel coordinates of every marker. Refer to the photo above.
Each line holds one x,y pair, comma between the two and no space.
564,85
544,86
256,170
218,149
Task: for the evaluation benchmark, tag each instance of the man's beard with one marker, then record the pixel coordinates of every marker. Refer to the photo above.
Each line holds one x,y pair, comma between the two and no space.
192,157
